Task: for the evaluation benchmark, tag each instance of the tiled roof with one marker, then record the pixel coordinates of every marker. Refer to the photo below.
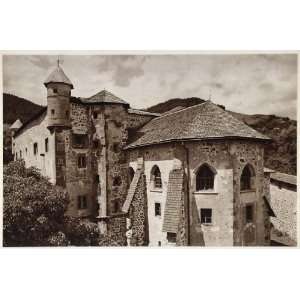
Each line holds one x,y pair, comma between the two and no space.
104,97
131,191
199,122
291,179
58,76
142,112
174,201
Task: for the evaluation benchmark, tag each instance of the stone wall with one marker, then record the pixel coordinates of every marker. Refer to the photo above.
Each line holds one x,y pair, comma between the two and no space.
138,215
284,203
251,153
226,200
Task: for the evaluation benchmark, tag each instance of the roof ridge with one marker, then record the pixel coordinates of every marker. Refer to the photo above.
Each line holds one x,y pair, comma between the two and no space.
178,111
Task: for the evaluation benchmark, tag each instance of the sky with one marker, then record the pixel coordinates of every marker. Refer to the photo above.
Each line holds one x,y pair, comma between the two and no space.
247,83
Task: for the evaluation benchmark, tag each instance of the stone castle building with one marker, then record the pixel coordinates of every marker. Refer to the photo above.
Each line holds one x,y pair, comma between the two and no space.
189,177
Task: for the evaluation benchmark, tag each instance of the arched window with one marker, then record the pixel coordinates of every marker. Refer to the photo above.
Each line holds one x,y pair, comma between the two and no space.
130,174
156,177
247,178
205,178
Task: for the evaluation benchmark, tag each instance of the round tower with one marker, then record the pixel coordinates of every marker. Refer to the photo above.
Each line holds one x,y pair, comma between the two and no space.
59,89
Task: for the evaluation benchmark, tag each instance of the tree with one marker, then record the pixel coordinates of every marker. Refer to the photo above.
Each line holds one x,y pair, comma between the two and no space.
34,212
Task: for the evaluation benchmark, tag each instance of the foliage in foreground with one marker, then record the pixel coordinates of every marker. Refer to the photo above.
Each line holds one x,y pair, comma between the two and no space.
34,212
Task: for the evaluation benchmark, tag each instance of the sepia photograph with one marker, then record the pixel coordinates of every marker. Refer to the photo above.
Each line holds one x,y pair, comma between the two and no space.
153,150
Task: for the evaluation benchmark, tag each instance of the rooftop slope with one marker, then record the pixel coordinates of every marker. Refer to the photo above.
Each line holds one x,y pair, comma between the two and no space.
104,97
280,154
199,122
58,76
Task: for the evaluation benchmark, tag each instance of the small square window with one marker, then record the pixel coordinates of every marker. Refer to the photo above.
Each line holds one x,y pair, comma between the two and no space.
206,215
249,213
81,161
55,91
171,237
157,208
82,202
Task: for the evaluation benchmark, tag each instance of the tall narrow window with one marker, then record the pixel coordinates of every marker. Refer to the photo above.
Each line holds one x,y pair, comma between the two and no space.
46,145
130,174
247,178
52,112
157,209
156,178
20,154
249,213
206,215
95,115
82,202
35,148
205,178
81,161
26,150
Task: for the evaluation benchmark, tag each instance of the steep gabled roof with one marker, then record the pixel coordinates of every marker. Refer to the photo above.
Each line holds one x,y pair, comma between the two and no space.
58,76
104,97
199,122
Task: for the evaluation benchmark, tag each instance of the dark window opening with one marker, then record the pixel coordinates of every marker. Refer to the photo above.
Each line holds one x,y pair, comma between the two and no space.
26,150
249,213
52,111
159,243
55,91
131,174
95,115
157,209
116,206
46,145
205,178
67,113
116,147
81,202
156,177
35,148
171,237
20,154
81,161
95,144
117,181
246,179
16,156
79,140
97,179
206,215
